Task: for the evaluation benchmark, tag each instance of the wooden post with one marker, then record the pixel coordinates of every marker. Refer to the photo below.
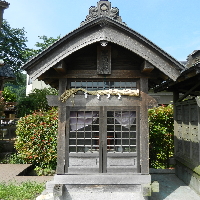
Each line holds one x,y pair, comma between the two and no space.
175,99
144,128
61,143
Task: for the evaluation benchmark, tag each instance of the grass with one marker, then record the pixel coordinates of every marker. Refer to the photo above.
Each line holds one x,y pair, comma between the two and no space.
23,191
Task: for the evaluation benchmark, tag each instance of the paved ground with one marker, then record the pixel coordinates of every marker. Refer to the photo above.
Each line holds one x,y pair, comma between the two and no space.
9,172
171,188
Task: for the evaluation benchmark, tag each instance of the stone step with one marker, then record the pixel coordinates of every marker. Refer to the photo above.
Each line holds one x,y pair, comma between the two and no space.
100,192
97,192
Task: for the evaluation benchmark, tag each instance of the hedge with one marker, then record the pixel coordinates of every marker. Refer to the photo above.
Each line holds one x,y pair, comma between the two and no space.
161,136
37,138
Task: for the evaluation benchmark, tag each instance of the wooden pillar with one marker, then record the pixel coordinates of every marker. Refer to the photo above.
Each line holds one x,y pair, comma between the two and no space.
144,127
61,143
175,99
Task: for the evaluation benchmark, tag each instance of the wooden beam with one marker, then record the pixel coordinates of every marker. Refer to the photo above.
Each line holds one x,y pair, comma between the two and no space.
89,74
79,100
146,67
61,68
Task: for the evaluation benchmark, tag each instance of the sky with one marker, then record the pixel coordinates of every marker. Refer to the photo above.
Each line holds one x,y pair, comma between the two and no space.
173,25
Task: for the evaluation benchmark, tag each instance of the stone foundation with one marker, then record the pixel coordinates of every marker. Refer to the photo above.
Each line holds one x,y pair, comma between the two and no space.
109,186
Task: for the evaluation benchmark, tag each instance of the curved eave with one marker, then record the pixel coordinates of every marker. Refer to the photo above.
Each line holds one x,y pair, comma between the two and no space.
139,45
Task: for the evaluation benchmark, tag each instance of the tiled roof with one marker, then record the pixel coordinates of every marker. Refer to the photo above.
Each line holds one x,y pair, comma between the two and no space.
6,72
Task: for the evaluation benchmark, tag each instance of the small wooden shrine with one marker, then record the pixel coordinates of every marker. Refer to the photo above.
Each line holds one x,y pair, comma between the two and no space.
103,71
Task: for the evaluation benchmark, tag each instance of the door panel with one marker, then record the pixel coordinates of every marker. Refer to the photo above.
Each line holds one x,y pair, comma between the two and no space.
121,140
103,139
84,142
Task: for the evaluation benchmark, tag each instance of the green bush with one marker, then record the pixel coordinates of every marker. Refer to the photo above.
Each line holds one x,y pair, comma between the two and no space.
13,92
9,94
12,159
35,101
161,136
44,171
36,141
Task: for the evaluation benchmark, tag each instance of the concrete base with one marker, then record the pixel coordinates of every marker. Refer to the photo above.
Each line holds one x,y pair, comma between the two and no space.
97,192
98,186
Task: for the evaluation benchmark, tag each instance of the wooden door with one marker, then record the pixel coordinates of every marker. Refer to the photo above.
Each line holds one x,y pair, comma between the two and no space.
104,140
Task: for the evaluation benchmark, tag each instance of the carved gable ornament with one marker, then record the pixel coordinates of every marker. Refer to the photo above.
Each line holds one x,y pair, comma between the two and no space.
104,60
103,9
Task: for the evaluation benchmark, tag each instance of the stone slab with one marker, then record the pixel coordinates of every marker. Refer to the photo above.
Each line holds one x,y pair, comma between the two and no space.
97,192
101,179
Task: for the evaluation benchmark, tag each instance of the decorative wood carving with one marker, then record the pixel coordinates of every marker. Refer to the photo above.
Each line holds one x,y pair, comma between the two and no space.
104,60
103,9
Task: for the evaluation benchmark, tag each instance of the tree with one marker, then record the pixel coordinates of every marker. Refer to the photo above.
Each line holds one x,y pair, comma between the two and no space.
47,41
14,52
13,49
35,101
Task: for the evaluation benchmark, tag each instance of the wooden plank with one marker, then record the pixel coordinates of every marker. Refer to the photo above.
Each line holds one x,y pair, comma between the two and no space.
61,68
80,100
61,130
90,74
144,128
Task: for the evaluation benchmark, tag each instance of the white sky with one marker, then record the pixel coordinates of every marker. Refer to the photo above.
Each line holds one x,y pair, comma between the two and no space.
173,25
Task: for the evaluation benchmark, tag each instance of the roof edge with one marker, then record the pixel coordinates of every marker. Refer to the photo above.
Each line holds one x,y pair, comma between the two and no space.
103,21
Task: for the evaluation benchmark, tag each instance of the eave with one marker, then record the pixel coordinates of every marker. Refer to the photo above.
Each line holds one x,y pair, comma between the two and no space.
104,28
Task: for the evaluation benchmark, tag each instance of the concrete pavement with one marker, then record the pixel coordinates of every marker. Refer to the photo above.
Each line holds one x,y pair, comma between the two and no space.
171,187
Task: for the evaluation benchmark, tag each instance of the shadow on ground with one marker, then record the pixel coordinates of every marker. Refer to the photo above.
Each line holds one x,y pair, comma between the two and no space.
172,188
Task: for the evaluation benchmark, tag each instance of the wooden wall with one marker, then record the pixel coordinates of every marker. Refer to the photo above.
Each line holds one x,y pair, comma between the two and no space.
86,59
187,131
187,142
